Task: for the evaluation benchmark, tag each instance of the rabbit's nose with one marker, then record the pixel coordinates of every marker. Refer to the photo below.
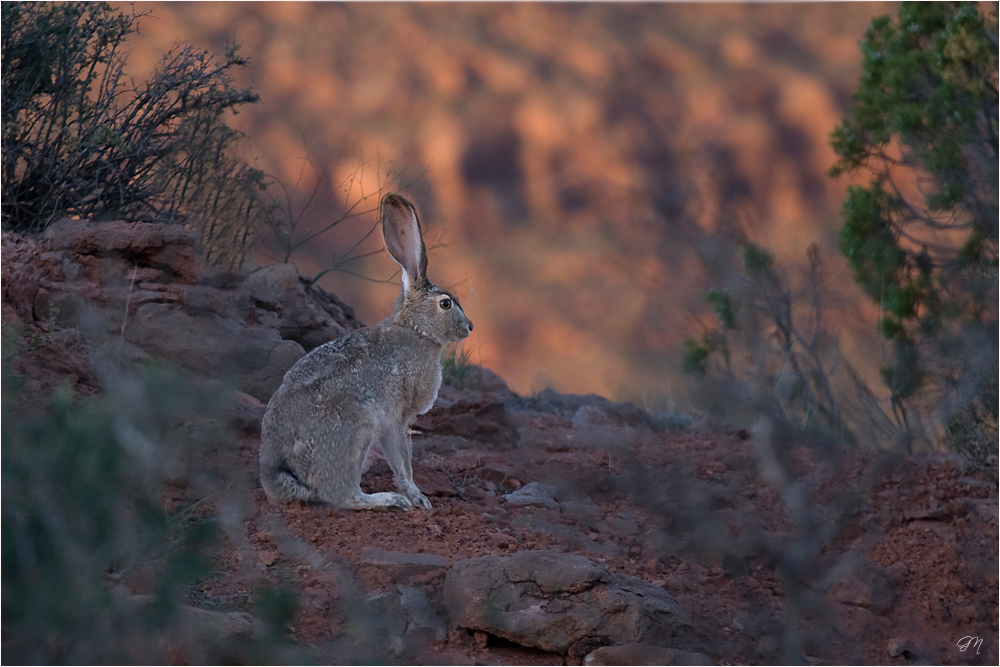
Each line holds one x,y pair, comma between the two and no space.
470,325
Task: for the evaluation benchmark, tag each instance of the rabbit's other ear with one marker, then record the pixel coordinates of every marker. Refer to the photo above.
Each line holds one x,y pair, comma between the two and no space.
403,240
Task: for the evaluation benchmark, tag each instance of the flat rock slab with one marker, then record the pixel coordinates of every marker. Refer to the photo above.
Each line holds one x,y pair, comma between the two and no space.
535,493
257,357
163,245
222,624
400,565
558,602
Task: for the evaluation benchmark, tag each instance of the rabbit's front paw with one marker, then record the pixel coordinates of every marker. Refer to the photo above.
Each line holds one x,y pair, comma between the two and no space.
420,501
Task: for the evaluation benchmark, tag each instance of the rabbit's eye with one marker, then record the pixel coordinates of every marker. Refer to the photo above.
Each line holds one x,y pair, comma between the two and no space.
445,304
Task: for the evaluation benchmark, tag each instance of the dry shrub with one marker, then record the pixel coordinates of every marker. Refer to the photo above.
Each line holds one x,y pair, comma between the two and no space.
81,137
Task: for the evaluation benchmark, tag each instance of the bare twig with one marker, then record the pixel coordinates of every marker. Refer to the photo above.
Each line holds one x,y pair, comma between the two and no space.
128,299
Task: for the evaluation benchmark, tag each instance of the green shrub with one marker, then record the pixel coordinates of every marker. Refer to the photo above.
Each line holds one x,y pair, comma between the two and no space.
80,503
926,109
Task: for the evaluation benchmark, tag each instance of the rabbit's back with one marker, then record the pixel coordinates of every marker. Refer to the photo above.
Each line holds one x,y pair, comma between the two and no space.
331,372
386,367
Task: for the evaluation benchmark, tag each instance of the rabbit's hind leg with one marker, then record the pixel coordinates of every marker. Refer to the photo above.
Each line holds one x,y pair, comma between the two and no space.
285,485
342,478
398,451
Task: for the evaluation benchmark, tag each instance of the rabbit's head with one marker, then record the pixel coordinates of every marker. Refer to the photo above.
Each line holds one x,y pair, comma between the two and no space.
423,306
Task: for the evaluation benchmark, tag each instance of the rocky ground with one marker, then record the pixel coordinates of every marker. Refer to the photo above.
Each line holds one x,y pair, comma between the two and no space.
564,529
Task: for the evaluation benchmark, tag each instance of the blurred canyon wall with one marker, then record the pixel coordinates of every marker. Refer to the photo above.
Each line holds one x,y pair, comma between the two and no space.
573,163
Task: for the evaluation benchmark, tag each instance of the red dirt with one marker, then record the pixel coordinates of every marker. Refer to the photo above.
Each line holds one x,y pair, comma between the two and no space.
948,589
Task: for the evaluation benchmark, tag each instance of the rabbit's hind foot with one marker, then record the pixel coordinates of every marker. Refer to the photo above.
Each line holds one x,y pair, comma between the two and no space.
385,500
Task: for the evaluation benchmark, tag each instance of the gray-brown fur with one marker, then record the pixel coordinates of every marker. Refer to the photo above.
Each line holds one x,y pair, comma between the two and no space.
363,389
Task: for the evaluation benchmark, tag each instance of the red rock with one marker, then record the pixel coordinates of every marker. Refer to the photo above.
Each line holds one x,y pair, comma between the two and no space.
901,646
158,245
483,420
643,654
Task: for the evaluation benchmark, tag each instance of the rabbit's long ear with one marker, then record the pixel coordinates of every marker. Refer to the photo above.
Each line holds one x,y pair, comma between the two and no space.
403,240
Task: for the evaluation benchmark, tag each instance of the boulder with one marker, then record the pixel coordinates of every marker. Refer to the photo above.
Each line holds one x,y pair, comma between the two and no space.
233,303
481,419
478,380
534,493
558,602
244,412
386,618
216,347
400,623
618,526
643,654
423,623
584,511
169,247
308,314
865,586
491,383
897,573
901,646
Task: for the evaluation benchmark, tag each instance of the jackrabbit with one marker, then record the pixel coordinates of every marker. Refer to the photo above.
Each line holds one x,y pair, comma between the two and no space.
364,389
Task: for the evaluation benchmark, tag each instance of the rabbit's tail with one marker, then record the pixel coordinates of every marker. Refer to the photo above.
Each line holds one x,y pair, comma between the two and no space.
281,483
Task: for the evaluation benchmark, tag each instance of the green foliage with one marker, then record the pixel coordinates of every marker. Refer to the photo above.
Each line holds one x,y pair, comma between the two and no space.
725,307
757,259
696,354
921,233
868,241
457,368
277,606
770,353
80,137
83,483
81,502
